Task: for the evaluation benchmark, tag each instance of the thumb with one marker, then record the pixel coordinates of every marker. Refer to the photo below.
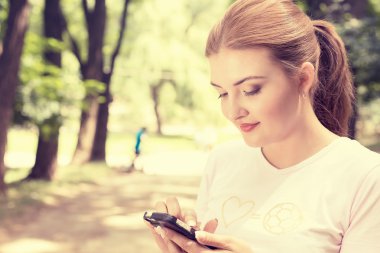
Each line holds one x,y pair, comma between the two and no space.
218,241
211,226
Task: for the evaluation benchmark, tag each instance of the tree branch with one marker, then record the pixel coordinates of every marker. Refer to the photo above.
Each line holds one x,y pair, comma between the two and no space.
73,42
86,11
75,47
123,24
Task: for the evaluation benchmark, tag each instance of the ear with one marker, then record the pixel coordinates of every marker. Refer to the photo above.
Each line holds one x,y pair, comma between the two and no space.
306,76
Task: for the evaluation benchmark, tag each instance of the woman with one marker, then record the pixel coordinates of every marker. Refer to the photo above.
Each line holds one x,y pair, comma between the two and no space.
296,184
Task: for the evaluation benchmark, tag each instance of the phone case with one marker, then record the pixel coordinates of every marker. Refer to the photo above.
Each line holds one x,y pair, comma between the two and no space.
171,222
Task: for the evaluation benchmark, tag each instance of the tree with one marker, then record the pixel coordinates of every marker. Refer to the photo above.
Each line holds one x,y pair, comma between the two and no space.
91,70
47,149
168,55
13,42
98,152
95,76
155,89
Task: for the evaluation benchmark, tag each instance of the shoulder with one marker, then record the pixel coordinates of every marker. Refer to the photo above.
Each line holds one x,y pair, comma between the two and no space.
354,161
356,153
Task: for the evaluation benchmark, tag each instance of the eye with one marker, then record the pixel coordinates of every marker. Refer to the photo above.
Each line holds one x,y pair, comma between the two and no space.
252,92
222,95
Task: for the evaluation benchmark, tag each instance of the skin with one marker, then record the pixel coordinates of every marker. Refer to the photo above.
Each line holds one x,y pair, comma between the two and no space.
272,111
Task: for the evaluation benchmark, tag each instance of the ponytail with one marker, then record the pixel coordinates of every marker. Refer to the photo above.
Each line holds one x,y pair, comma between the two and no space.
333,95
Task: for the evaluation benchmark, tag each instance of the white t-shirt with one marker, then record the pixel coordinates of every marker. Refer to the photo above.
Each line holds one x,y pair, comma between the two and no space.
328,203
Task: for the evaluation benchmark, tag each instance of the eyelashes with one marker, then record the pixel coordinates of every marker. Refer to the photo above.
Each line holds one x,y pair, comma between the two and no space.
252,92
246,93
222,95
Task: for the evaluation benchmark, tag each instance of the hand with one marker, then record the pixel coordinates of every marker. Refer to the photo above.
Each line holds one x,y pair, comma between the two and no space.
225,244
172,207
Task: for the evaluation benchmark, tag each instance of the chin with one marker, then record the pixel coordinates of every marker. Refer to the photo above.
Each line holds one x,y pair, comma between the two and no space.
254,143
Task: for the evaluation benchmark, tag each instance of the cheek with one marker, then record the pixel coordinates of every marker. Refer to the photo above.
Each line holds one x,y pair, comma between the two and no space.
280,110
224,109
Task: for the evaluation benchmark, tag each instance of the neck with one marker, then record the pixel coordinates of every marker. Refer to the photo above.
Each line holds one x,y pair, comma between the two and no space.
299,146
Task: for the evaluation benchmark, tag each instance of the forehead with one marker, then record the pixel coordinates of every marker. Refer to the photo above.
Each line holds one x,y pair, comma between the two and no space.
229,65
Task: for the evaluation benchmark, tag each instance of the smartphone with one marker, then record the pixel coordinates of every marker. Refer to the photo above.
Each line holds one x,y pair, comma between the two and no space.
171,222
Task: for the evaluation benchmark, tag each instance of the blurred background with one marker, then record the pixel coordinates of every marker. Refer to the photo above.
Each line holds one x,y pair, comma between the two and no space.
78,81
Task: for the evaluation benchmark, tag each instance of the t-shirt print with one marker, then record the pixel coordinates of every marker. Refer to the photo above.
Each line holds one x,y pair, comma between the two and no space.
279,219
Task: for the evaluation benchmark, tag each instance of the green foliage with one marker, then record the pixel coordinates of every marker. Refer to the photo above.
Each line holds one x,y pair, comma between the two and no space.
93,87
48,93
3,16
375,6
362,40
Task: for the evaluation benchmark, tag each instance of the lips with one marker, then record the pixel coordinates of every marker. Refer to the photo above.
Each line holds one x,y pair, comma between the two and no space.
248,127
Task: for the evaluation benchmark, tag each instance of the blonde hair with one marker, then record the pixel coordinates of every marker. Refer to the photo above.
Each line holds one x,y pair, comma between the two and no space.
293,39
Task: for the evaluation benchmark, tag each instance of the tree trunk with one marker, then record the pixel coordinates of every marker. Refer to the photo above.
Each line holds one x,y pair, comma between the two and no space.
46,158
47,149
155,91
92,70
86,131
99,146
17,25
98,152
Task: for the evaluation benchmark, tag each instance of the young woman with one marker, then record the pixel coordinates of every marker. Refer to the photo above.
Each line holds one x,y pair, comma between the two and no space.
297,183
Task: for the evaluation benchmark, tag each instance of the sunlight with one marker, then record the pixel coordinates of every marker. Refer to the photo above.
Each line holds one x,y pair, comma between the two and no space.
131,221
175,163
31,245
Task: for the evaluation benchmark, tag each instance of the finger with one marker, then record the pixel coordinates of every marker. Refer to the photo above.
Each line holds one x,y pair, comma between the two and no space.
170,246
190,217
211,226
157,237
184,243
173,207
218,241
161,207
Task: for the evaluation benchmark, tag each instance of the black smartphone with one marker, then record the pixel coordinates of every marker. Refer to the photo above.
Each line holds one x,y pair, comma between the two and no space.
171,222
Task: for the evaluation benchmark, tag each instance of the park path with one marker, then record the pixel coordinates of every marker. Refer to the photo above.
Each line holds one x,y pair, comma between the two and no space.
105,217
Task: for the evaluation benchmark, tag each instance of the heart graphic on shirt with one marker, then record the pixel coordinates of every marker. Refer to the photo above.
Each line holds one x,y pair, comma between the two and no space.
234,209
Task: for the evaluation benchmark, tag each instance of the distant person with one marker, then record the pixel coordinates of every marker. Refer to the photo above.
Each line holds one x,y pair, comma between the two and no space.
139,136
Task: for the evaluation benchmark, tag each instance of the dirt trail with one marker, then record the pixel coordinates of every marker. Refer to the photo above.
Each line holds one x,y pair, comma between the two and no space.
101,218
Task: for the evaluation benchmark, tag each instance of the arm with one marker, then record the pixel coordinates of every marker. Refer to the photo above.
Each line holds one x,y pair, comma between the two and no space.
363,233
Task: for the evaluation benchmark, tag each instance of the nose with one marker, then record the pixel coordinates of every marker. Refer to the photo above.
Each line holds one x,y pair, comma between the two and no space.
235,110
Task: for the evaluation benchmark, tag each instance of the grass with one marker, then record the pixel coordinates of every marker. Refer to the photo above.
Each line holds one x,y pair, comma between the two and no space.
29,196
32,195
25,141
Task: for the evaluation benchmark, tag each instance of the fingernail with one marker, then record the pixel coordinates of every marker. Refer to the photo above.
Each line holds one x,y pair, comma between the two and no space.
200,235
191,223
160,231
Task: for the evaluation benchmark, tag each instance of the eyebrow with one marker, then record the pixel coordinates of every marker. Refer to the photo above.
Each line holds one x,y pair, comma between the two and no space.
241,80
